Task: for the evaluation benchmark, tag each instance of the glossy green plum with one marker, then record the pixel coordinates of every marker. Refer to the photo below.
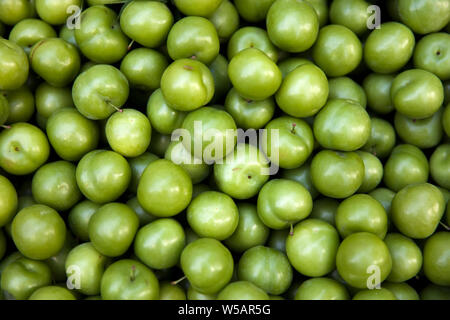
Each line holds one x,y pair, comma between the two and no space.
159,143
417,209
249,114
79,216
434,292
194,37
99,37
406,257
253,10
129,132
202,8
14,11
67,127
254,75
89,265
52,293
440,165
432,53
352,14
377,294
290,64
389,48
244,173
303,103
177,153
250,231
168,291
38,232
146,22
23,149
322,289
424,16
292,26
402,291
436,258
417,93
49,99
144,68
312,247
213,215
8,201
242,290
288,142
143,216
57,262
100,91
302,175
267,268
68,34
251,37
14,65
373,171
337,51
209,134
382,138
55,185
159,244
56,12
337,174
219,71
325,209
138,166
21,104
361,255
423,133
347,89
226,20
361,213
406,165
193,294
129,280
342,125
30,31
103,170
164,189
207,264
378,91
23,276
321,8
163,118
283,202
187,85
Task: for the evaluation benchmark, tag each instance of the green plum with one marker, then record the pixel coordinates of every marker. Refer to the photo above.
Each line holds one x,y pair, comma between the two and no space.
14,65
56,12
68,34
219,71
434,292
143,216
363,259
226,20
312,247
244,173
207,264
290,64
30,31
377,294
99,37
337,51
446,120
8,201
55,185
193,294
187,85
406,257
321,289
242,290
389,48
163,118
146,22
292,26
4,109
302,175
325,209
79,216
21,104
432,53
23,149
14,11
253,10
250,231
436,258
402,291
38,232
164,189
52,293
378,91
352,14
424,16
72,135
342,125
406,165
251,37
385,197
202,8
373,171
347,89
417,209
194,37
382,138
417,93
288,142
168,291
303,103
49,99
138,166
337,174
440,165
159,143
103,170
129,280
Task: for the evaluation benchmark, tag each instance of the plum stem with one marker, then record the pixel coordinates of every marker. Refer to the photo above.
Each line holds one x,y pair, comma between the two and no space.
446,227
194,57
5,126
130,45
174,283
114,106
293,127
133,273
291,231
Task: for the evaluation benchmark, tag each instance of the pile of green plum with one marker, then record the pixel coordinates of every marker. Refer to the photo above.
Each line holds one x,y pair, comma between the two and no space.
101,199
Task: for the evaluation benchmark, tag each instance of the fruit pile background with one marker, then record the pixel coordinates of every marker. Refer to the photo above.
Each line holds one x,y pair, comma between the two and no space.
121,176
